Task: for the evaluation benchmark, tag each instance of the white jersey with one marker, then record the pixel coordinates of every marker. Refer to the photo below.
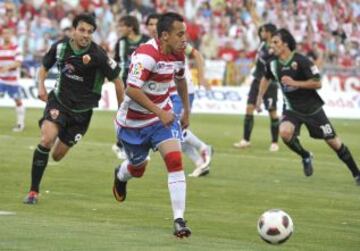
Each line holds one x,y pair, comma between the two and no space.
9,55
153,72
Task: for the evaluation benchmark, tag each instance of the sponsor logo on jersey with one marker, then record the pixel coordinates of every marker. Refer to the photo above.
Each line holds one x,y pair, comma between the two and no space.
68,68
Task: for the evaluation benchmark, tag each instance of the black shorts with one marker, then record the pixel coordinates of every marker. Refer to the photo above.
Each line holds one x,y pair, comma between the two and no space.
73,125
318,124
270,96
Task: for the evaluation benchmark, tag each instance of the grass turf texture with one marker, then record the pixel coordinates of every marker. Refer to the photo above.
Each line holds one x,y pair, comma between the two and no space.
78,212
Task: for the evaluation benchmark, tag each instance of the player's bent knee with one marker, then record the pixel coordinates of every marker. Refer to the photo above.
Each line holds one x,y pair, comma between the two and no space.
173,161
57,157
286,134
137,171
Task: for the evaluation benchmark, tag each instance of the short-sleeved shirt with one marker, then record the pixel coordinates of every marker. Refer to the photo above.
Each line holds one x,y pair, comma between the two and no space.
153,72
9,55
299,68
81,74
263,56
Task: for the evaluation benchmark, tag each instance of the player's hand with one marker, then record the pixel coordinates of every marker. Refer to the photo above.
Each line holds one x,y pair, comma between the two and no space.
167,118
185,121
259,101
286,80
42,93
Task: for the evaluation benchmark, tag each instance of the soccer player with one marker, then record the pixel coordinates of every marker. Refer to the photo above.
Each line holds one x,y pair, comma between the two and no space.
264,54
151,23
10,62
299,78
145,118
130,40
199,152
82,65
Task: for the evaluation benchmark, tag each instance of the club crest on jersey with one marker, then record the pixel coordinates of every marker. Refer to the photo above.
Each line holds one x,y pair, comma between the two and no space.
294,65
86,59
54,113
137,69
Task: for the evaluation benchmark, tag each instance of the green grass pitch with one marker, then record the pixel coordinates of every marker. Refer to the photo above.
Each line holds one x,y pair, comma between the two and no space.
78,212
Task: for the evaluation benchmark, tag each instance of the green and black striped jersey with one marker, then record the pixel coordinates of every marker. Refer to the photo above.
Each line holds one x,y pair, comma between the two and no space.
299,68
81,74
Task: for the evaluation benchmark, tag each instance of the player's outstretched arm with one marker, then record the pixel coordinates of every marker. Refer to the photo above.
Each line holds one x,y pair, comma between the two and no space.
200,65
42,74
182,90
308,84
119,88
12,66
136,94
264,85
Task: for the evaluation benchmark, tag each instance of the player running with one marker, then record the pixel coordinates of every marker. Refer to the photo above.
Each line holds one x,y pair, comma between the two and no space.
145,117
299,78
83,66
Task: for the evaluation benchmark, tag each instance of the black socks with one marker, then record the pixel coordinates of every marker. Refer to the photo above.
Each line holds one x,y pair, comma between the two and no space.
40,160
345,155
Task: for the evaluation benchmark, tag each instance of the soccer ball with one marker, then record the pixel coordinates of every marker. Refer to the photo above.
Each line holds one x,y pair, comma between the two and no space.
275,226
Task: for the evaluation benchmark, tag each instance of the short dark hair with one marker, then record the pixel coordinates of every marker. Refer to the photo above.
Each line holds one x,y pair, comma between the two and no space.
86,18
131,21
166,21
269,27
152,16
287,38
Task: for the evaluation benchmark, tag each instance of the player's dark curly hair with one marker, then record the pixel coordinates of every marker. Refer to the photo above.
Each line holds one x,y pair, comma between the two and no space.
166,21
268,27
86,18
131,21
287,38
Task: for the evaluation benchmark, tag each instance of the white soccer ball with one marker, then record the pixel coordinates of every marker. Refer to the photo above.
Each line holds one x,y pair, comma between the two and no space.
275,226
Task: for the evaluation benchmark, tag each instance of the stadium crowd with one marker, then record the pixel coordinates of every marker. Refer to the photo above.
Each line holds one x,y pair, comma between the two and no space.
327,31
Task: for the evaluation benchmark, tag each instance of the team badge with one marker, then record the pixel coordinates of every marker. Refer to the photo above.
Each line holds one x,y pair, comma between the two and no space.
86,59
294,65
137,69
54,113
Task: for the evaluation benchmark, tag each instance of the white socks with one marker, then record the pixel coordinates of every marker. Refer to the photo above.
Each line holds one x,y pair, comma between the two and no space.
177,189
191,139
20,115
192,153
124,174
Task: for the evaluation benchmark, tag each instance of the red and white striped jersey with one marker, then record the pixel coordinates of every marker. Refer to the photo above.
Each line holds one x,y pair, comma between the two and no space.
153,72
8,55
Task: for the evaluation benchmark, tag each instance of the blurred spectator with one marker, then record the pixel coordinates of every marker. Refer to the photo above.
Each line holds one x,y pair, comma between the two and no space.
219,28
